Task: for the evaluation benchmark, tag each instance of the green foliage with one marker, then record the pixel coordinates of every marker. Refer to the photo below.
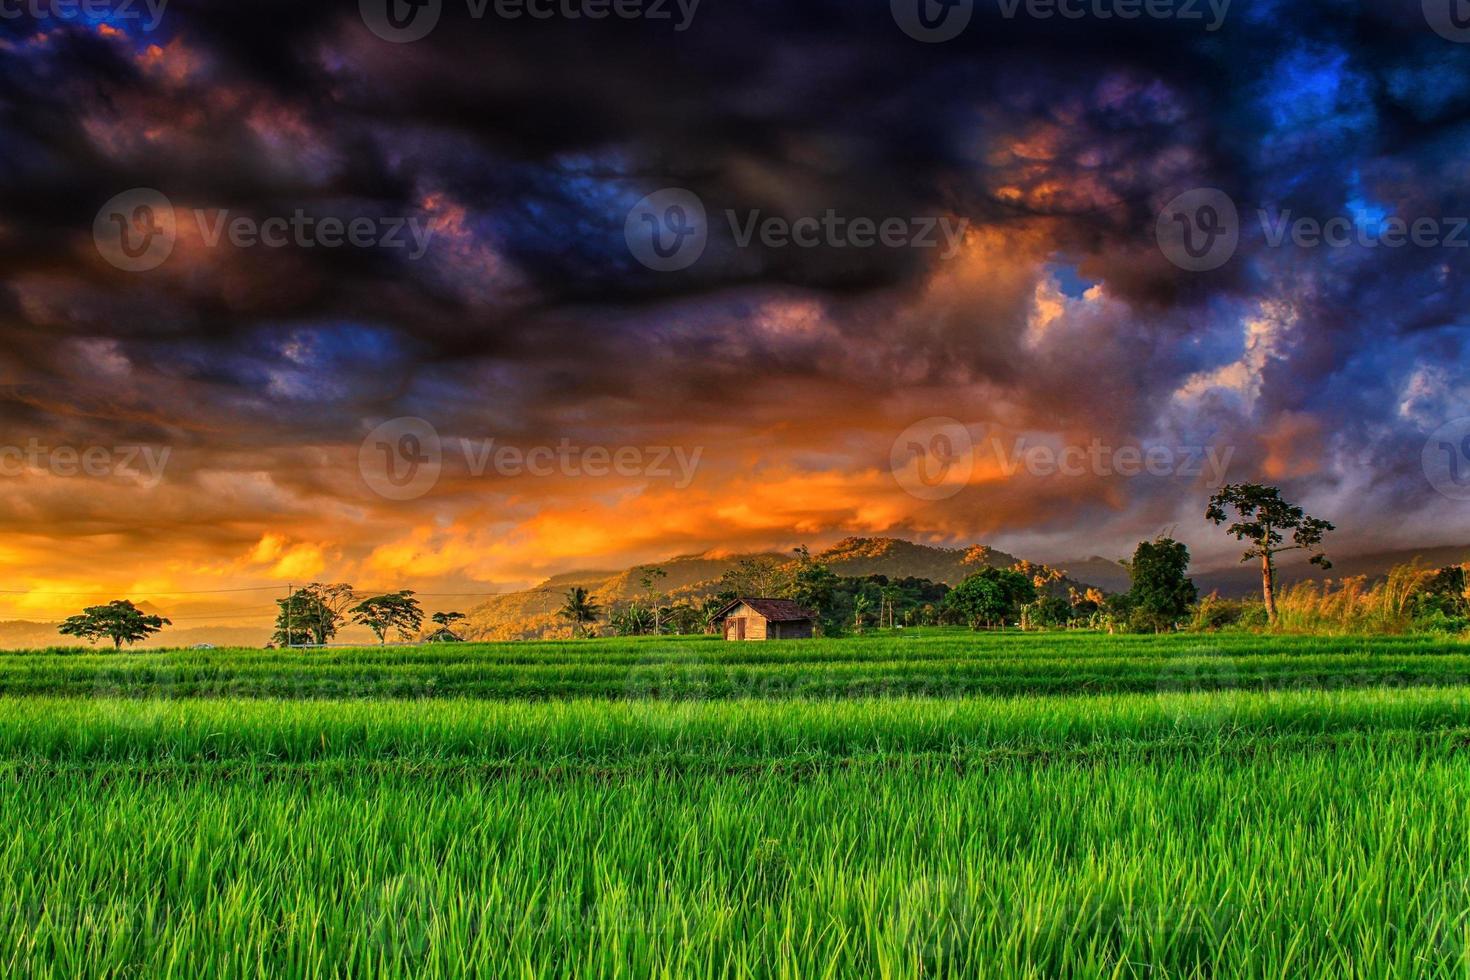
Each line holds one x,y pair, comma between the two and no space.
579,610
1216,613
312,614
119,621
396,611
1050,611
1133,836
631,620
1262,517
446,622
1161,592
943,662
815,587
759,577
990,597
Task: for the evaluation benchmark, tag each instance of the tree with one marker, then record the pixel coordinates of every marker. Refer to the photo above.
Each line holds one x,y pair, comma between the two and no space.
990,596
1263,517
1041,576
763,577
815,586
708,610
631,620
311,614
398,611
579,610
445,633
888,596
649,577
1161,593
119,620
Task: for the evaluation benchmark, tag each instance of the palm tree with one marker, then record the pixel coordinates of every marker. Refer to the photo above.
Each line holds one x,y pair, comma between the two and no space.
888,596
579,609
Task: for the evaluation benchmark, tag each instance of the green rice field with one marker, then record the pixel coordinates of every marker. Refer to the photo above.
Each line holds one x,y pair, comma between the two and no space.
890,806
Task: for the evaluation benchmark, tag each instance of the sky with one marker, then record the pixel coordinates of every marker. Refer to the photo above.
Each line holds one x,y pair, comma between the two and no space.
459,295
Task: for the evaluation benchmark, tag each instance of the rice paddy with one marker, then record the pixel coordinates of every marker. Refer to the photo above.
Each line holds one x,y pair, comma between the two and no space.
1070,806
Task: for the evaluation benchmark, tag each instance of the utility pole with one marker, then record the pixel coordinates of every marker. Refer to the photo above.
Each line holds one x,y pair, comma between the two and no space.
289,593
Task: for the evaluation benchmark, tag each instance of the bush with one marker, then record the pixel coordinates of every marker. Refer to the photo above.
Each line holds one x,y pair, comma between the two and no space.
1215,613
1439,621
1049,611
1141,620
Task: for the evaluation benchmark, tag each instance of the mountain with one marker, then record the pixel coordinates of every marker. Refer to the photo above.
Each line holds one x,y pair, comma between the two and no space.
1105,573
1245,579
897,558
532,614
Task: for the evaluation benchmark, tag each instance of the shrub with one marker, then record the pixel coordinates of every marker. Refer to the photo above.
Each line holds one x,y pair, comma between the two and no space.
1216,613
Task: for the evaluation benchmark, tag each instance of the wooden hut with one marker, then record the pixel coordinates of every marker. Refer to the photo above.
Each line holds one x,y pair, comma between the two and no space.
766,619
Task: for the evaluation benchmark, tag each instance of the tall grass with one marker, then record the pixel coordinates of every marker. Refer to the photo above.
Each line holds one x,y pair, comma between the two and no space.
948,664
1316,859
1241,813
1353,605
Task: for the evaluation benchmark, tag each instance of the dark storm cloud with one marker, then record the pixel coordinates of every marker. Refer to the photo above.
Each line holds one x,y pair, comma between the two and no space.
523,144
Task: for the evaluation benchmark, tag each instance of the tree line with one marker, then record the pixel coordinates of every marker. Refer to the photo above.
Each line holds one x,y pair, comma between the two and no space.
1161,595
309,616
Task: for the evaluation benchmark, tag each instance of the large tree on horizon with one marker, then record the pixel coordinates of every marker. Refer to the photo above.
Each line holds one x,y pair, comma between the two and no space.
311,614
1263,517
398,611
119,620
